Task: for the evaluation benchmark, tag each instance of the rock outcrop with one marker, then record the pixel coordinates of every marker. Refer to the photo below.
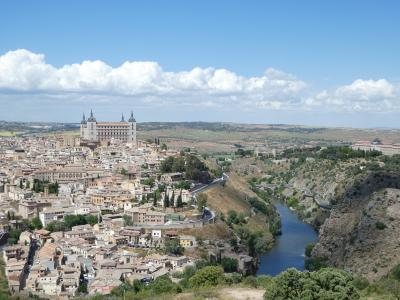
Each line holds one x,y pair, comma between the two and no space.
362,233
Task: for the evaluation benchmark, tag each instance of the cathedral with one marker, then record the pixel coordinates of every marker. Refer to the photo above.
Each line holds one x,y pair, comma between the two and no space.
94,131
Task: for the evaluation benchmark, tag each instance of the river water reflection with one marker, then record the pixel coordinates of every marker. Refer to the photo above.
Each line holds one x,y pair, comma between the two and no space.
289,249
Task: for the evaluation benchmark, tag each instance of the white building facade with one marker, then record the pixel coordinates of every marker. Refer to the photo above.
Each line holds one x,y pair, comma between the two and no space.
94,131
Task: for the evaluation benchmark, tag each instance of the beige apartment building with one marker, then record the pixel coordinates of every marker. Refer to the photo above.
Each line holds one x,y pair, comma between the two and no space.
65,174
116,199
386,149
146,216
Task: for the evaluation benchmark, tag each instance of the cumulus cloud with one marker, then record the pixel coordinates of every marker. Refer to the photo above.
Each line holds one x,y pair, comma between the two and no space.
361,95
146,82
22,70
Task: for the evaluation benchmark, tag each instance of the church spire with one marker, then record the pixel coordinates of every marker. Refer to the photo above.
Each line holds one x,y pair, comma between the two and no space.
132,119
91,118
122,119
83,119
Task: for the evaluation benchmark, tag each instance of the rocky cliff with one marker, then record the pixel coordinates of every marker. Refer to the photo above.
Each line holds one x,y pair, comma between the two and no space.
362,232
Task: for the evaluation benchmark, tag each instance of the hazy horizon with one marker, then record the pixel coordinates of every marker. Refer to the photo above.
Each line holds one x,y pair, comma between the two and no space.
259,62
213,122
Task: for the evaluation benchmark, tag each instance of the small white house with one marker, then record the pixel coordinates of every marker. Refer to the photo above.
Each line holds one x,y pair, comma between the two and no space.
156,234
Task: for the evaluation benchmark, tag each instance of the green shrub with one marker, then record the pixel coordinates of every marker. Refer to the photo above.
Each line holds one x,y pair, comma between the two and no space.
315,263
309,249
229,264
250,281
396,272
360,283
323,284
380,225
207,276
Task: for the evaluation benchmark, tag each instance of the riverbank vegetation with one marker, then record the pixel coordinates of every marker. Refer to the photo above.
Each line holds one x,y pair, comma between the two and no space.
361,188
249,217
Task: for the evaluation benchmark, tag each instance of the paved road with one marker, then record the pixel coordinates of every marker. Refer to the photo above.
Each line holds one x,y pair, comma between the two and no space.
204,187
208,214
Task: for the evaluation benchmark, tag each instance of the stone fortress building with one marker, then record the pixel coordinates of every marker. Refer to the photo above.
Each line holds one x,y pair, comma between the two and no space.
94,131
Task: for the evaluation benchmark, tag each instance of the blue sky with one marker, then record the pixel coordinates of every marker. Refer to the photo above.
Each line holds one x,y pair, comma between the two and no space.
333,63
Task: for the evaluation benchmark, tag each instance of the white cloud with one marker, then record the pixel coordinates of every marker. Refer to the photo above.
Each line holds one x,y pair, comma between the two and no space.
361,95
22,70
365,90
147,83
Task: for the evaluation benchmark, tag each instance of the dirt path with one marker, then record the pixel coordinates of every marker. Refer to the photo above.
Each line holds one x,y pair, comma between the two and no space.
227,293
241,294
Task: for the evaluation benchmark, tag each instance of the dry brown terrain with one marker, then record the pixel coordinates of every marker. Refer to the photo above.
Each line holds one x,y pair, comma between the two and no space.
230,197
213,231
229,293
222,137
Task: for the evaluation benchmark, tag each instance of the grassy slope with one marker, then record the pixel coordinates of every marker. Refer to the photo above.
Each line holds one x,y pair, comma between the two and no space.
233,197
8,133
213,231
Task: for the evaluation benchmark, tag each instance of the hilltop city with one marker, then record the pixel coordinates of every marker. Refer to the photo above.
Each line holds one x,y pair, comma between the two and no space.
95,211
83,213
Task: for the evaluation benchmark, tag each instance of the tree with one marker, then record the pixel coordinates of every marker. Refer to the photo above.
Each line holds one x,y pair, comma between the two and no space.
179,202
380,225
309,249
172,199
127,220
155,198
82,288
36,223
232,217
91,219
56,226
21,186
173,246
163,284
201,201
53,188
70,221
315,263
149,181
73,220
207,276
163,146
144,199
183,185
178,164
13,236
166,201
326,283
229,264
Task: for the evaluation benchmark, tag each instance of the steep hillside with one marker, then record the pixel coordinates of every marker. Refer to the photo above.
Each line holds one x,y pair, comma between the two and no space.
231,196
251,219
362,231
352,197
317,183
